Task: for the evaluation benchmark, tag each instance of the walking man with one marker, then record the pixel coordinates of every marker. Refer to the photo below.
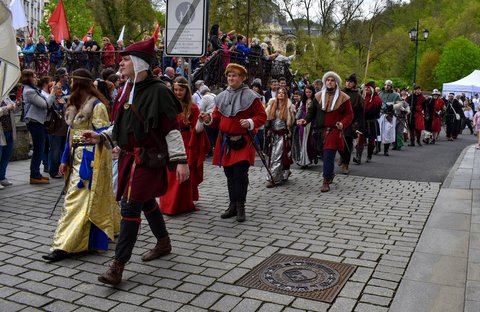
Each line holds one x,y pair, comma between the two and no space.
332,112
146,130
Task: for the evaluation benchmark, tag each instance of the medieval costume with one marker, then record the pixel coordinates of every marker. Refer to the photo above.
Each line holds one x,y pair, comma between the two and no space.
279,132
416,122
387,123
434,108
453,115
179,197
303,143
351,132
234,149
90,216
332,112
146,130
401,110
373,105
389,98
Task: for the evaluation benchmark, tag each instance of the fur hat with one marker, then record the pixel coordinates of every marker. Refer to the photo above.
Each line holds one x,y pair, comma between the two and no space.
232,67
143,49
352,78
436,92
334,75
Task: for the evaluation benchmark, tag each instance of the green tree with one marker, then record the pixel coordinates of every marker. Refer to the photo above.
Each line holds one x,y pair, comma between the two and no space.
138,16
459,58
426,77
79,18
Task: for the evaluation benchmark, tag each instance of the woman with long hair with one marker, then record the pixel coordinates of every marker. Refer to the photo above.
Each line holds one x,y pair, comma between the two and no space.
90,215
180,196
303,145
35,113
280,120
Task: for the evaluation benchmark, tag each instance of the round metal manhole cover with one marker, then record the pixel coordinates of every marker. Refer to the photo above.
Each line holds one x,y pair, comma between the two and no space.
300,276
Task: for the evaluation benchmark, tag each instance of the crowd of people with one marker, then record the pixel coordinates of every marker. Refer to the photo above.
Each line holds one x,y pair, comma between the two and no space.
128,138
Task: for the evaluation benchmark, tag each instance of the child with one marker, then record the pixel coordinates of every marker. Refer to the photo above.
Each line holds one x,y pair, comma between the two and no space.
476,123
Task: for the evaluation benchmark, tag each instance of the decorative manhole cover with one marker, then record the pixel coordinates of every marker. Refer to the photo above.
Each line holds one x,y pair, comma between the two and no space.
298,276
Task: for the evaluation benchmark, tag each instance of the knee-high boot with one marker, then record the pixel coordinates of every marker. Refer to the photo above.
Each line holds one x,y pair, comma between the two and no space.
370,149
378,147
385,149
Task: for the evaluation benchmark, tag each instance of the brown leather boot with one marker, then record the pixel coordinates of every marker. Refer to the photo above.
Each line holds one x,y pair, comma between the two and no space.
344,169
162,248
231,211
113,276
325,186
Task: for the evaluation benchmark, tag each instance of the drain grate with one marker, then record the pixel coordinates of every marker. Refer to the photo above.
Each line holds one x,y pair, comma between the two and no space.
299,276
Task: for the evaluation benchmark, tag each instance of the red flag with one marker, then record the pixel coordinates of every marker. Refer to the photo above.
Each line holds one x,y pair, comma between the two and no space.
155,33
89,32
58,23
31,33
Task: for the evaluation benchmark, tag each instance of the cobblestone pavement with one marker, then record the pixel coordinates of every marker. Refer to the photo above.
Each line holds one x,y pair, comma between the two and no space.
374,224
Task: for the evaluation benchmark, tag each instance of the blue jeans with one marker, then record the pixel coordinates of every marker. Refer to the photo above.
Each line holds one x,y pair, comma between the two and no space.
5,154
328,163
37,131
57,145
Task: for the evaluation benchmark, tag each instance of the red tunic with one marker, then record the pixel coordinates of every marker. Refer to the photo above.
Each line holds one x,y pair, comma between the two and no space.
437,121
231,125
147,183
180,197
419,119
343,114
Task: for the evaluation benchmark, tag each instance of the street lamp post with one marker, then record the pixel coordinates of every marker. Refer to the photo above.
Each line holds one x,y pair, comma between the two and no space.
414,37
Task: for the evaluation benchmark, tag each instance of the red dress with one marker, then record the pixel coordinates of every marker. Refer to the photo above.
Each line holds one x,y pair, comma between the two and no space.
231,125
437,121
179,198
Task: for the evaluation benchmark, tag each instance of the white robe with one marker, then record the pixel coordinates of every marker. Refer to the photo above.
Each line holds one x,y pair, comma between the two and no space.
387,129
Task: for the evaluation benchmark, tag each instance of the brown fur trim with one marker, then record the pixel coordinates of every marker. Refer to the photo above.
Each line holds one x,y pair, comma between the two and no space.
342,98
72,116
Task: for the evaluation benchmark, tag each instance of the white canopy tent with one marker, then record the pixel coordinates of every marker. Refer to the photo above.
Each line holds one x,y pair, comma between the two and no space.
468,85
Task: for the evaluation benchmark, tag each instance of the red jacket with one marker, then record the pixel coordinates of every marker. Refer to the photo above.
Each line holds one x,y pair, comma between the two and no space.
108,55
231,125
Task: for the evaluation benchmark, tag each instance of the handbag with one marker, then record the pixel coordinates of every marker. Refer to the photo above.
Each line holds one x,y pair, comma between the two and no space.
152,157
53,122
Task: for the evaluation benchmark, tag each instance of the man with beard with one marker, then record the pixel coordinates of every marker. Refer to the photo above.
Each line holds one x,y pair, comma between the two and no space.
350,132
453,117
332,112
416,122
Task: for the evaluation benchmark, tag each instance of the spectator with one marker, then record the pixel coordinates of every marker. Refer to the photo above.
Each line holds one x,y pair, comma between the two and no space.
61,76
28,52
41,57
55,52
79,58
57,130
169,75
115,80
197,96
7,137
91,47
36,107
108,53
214,39
242,50
272,93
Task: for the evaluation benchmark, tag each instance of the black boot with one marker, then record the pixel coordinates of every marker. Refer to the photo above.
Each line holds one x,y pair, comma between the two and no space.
231,211
412,143
385,149
378,147
240,212
418,142
370,149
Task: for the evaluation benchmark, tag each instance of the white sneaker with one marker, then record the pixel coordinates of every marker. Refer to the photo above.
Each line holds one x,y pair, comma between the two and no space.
2,187
5,182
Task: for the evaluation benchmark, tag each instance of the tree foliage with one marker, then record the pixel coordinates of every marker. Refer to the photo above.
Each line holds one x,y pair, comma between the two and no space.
459,58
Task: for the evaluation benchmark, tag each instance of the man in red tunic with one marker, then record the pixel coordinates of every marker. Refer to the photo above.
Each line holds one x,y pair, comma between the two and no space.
237,110
146,123
416,121
332,112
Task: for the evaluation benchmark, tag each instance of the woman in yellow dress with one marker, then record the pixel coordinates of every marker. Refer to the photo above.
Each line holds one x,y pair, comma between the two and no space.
90,215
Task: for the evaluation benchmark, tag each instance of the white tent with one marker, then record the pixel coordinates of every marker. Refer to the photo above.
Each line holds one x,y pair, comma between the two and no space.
9,65
468,85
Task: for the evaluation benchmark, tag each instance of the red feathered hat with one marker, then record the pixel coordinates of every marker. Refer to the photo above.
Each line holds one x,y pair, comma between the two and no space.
143,49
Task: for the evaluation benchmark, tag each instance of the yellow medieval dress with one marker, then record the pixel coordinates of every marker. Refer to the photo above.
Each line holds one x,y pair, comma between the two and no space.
90,216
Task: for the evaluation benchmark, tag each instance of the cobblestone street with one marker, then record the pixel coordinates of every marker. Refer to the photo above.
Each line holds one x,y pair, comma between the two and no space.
374,224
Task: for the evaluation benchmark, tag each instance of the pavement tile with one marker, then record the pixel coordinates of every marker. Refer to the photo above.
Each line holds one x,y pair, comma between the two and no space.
173,295
60,306
226,303
247,305
96,302
10,306
310,305
30,299
162,305
269,296
343,305
270,307
35,287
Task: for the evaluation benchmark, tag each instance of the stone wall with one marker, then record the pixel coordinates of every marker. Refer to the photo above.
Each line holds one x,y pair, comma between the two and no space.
21,146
